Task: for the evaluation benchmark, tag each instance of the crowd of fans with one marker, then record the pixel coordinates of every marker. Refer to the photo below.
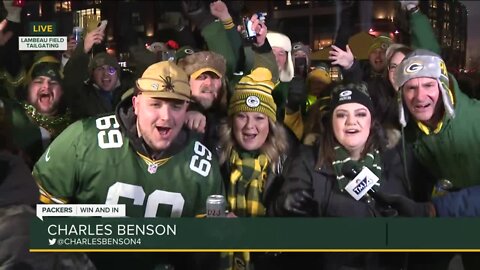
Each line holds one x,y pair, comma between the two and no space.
253,121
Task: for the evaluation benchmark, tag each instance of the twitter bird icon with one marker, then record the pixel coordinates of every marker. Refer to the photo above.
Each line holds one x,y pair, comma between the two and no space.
52,241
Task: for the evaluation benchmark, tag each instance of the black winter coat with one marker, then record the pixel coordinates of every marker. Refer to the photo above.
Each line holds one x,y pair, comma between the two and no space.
301,173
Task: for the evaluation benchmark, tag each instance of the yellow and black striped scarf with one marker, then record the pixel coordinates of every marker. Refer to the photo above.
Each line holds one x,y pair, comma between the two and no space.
247,181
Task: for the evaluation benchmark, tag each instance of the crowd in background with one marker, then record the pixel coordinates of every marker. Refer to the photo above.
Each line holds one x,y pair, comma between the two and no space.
247,118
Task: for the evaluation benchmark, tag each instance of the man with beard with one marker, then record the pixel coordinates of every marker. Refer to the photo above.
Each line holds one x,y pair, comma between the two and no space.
141,156
41,114
206,71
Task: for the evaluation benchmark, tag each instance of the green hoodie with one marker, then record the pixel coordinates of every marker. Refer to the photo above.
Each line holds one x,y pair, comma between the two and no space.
453,152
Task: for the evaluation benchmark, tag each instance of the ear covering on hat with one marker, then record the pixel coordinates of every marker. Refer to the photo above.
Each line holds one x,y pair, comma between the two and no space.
164,80
199,62
424,63
380,42
282,41
253,93
351,93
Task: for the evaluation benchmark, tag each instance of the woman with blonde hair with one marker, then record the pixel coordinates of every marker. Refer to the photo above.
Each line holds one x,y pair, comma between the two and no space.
252,149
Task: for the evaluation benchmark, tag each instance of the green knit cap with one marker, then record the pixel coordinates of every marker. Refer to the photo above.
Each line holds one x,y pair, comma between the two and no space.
253,93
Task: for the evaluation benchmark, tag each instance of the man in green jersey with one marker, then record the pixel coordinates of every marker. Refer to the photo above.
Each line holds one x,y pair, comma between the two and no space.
142,157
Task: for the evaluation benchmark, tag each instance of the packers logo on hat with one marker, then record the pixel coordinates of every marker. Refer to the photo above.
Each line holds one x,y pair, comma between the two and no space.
414,67
252,101
345,95
253,93
188,51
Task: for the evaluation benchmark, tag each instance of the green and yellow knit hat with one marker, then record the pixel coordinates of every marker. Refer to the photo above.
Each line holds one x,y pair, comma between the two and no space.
380,42
47,66
253,93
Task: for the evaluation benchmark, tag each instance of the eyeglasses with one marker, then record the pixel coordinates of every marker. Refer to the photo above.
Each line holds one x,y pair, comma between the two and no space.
392,67
109,69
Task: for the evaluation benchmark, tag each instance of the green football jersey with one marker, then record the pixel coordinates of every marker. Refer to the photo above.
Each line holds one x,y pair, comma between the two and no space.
92,162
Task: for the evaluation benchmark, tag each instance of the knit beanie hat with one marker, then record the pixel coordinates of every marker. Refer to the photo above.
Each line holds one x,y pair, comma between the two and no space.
102,59
282,41
424,63
380,42
351,93
253,93
47,66
182,52
199,62
319,74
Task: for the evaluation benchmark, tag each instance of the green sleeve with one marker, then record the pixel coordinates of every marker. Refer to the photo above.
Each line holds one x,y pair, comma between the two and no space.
236,43
217,41
422,33
56,170
264,57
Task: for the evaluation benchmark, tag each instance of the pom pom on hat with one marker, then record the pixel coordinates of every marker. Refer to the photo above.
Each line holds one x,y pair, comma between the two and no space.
253,93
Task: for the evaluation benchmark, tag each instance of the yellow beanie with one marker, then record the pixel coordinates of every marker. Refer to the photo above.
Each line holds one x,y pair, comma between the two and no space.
253,93
319,74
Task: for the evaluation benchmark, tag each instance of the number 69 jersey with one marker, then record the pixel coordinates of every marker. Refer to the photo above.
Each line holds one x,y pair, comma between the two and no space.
92,162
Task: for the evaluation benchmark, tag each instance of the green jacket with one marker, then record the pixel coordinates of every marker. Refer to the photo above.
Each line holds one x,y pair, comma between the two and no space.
453,152
422,35
32,132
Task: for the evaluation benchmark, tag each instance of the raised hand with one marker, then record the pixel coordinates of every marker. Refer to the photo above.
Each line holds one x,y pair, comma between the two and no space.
220,10
341,57
94,37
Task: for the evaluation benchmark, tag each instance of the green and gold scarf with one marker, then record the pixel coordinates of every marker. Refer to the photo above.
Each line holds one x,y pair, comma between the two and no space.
372,160
247,182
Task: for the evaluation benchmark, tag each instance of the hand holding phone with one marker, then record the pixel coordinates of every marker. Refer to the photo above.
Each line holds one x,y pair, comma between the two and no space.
250,34
102,25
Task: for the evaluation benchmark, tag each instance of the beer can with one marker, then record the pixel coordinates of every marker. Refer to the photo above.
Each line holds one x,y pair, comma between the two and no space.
442,187
216,206
77,33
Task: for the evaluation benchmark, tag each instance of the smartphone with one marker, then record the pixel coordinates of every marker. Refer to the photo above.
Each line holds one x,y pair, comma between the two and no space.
250,34
102,25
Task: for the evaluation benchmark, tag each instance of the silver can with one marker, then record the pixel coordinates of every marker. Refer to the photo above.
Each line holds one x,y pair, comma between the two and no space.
442,187
77,33
216,206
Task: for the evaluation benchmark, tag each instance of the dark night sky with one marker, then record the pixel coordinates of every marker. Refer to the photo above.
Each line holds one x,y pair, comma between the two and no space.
473,8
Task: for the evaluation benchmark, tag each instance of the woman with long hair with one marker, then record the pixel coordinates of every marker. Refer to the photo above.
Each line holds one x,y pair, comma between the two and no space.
252,149
318,181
